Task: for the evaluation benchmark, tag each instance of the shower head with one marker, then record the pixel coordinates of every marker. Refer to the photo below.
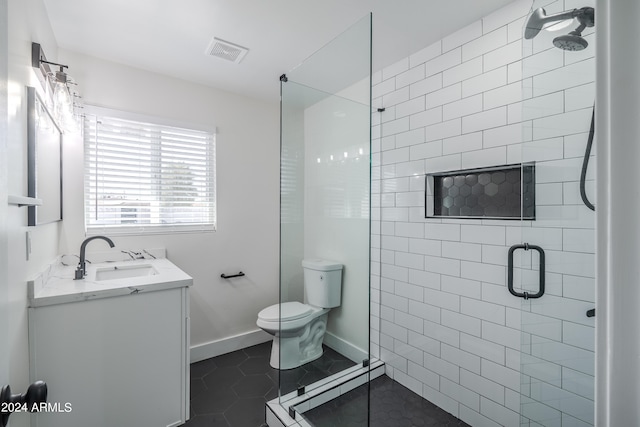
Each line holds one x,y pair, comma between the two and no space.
572,42
539,19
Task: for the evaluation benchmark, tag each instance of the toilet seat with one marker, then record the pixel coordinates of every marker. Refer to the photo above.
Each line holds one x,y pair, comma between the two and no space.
295,315
285,312
298,329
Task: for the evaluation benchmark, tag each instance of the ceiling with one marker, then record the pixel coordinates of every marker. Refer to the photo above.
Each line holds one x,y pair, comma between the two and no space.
170,37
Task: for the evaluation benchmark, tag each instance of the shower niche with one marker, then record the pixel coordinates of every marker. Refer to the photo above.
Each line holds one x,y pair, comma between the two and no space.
500,192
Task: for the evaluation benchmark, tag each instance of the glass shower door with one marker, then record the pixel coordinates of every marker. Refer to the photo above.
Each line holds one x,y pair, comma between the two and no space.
556,250
325,213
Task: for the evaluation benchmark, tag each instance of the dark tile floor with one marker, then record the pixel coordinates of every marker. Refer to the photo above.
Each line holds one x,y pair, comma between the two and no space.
391,405
231,390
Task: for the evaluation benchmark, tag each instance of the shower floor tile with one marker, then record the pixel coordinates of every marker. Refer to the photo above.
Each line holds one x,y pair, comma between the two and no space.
392,405
231,390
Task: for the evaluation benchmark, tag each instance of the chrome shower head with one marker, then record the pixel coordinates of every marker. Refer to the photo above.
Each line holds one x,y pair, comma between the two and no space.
572,42
539,19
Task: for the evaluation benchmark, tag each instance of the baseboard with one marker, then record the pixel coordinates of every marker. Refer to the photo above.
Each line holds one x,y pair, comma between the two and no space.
237,342
345,348
227,345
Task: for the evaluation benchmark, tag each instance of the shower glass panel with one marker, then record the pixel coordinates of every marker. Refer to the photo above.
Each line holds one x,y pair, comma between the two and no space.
325,212
556,356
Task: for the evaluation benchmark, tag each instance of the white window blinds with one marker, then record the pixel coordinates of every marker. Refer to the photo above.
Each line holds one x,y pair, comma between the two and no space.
144,177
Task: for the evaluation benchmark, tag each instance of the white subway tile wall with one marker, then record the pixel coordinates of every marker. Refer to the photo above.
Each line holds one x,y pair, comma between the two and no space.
445,323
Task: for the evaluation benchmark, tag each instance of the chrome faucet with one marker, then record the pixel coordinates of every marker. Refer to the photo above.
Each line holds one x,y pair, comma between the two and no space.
81,271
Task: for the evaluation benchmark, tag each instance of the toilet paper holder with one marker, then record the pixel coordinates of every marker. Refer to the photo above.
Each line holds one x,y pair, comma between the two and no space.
224,276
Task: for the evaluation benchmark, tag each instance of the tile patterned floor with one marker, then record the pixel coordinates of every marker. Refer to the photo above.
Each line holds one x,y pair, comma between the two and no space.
391,405
231,390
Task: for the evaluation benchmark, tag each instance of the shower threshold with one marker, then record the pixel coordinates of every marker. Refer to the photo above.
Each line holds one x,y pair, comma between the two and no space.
287,410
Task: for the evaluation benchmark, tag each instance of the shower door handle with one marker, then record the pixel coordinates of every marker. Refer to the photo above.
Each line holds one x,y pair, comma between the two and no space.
526,295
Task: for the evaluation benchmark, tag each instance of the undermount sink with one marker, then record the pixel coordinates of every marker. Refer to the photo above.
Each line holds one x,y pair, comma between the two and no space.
105,279
124,272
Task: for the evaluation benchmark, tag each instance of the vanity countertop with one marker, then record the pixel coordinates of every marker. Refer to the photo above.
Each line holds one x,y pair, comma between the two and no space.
56,284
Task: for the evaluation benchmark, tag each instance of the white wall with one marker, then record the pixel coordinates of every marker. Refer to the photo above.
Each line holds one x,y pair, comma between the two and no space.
325,193
247,183
291,196
4,285
27,22
618,295
325,204
448,328
336,198
247,194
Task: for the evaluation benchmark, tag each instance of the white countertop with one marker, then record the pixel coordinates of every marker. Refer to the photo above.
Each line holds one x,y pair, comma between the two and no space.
56,285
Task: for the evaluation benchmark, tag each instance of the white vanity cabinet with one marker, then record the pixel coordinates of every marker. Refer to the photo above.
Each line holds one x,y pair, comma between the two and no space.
115,360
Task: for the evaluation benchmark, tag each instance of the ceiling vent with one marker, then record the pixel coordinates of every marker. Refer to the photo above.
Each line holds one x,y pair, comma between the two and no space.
226,50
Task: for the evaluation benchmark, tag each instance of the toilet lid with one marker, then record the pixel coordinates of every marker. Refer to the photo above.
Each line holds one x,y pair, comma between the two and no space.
290,311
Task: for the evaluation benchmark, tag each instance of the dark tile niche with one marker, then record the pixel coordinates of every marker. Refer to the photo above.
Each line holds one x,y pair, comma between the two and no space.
502,192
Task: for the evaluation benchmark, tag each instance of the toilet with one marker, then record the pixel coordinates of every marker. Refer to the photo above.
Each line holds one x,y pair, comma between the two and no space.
298,329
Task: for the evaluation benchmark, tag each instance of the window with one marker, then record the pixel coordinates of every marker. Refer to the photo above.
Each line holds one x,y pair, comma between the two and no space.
145,177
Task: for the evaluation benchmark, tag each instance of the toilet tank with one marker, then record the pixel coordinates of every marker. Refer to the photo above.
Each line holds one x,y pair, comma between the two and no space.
322,282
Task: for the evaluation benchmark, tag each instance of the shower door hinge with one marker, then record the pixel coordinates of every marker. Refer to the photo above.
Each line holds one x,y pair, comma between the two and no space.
365,363
301,391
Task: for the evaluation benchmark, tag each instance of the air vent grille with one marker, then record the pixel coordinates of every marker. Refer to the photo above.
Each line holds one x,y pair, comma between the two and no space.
226,50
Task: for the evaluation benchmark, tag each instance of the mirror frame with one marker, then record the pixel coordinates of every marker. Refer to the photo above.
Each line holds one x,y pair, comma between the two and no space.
34,102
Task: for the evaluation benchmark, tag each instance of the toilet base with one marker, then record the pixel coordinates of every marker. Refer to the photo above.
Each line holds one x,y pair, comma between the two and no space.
288,352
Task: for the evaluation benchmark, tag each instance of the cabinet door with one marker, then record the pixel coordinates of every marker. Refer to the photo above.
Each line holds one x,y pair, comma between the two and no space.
117,361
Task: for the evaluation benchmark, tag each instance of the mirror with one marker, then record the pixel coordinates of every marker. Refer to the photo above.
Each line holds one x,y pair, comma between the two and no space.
44,161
